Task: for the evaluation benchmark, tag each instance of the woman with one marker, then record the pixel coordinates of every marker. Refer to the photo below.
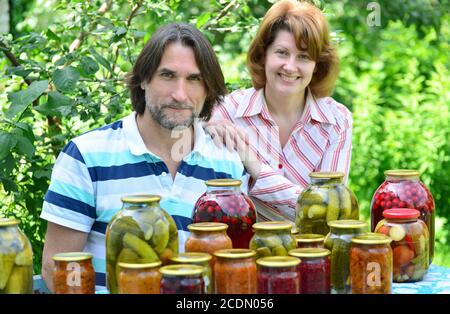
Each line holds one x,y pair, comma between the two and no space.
287,119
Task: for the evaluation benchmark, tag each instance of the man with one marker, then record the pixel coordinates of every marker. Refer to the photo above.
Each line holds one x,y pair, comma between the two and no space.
175,82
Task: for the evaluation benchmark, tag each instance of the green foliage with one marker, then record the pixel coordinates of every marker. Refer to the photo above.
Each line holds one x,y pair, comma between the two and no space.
70,59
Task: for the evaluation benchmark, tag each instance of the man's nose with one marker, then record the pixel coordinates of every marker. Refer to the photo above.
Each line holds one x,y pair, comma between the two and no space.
180,93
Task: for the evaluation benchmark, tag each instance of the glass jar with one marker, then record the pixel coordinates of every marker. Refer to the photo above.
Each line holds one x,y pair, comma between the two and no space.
272,238
410,243
309,240
73,273
235,271
403,189
139,278
371,264
338,241
324,200
140,232
182,279
16,259
198,258
224,202
278,275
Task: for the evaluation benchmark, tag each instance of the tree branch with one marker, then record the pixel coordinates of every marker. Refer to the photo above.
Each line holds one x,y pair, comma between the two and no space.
220,15
9,55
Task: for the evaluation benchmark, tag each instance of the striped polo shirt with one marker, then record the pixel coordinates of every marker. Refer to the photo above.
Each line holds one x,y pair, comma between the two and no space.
96,169
320,141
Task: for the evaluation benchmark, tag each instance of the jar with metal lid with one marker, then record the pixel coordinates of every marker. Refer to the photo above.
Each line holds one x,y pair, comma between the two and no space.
182,279
404,189
141,230
371,264
325,199
139,278
314,270
309,240
235,271
338,241
16,259
198,258
278,275
410,243
73,273
272,238
224,202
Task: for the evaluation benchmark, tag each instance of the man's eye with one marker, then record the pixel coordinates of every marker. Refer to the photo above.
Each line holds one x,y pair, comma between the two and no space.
167,75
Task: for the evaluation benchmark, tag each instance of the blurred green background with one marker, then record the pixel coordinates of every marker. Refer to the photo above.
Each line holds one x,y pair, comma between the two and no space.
63,62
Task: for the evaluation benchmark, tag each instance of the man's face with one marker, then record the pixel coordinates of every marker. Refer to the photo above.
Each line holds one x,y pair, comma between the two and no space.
176,93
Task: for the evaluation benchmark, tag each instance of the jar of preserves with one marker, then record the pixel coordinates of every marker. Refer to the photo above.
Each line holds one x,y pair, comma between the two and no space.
235,271
182,279
224,202
410,243
140,232
272,238
403,189
314,270
338,241
16,259
278,275
309,240
371,264
324,200
201,259
139,278
73,273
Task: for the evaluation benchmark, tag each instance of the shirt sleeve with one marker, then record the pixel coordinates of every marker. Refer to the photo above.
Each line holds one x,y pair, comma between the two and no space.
70,200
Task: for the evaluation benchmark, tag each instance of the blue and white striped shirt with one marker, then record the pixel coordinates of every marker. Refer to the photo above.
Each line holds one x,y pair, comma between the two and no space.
96,169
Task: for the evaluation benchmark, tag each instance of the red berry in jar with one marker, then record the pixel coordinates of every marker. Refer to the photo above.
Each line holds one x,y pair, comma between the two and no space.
406,187
229,205
278,275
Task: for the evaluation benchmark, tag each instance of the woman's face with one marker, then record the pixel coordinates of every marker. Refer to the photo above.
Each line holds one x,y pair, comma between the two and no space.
288,70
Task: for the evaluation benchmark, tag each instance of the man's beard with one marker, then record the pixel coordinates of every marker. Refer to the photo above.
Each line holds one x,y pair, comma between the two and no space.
167,122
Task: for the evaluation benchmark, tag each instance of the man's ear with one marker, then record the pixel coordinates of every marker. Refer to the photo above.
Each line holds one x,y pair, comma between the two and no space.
143,85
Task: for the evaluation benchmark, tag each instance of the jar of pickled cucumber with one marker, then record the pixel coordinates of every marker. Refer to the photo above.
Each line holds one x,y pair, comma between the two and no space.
235,271
139,278
224,202
314,270
309,240
338,241
182,279
16,259
371,264
324,200
272,238
73,273
410,243
141,232
198,258
404,189
278,275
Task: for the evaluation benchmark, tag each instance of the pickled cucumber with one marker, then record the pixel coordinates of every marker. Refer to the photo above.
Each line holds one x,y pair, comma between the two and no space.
20,281
161,235
320,226
263,251
127,255
279,251
306,226
345,202
149,217
6,267
340,265
333,205
127,224
139,246
317,211
272,241
149,233
25,258
311,197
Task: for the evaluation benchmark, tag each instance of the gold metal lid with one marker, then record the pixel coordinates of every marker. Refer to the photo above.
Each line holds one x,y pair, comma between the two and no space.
72,256
139,265
326,175
347,224
309,238
6,222
372,238
278,261
191,257
207,226
182,270
235,253
309,252
402,173
272,225
223,182
139,199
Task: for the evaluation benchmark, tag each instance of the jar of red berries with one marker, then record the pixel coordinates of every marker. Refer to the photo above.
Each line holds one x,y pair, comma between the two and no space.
403,189
224,202
278,275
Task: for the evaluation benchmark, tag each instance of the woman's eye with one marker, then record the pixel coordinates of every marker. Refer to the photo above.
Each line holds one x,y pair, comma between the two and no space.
304,57
281,52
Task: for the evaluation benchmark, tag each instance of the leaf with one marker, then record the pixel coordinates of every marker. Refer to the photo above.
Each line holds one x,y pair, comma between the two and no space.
7,143
53,36
9,185
7,165
42,174
203,19
20,100
101,60
66,79
25,146
88,66
56,105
